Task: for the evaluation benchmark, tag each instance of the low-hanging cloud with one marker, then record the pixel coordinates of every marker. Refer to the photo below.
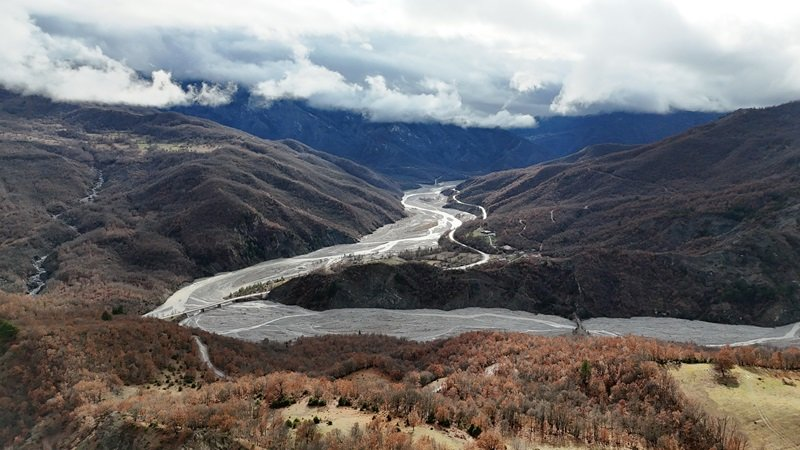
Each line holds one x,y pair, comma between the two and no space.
479,63
66,69
436,100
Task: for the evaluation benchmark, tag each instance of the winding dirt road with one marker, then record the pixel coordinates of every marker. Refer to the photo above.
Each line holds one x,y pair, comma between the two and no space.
205,359
484,215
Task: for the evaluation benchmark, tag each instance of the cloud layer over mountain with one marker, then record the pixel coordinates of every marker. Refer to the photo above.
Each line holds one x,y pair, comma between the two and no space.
480,63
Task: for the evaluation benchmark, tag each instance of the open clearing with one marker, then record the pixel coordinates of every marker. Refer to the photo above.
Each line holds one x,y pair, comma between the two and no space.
343,419
765,408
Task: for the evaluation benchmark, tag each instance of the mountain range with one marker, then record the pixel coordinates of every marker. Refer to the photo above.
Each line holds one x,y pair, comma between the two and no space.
128,203
699,225
422,152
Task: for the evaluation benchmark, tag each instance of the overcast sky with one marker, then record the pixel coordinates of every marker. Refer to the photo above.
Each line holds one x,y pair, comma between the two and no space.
478,63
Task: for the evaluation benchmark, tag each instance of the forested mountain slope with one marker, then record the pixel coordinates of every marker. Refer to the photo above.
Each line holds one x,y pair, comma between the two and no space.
175,198
702,225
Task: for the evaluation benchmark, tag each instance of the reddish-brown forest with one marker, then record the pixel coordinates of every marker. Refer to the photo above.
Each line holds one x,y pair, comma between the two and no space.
67,375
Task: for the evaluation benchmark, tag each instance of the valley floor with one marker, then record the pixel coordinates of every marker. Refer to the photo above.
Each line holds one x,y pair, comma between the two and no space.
258,320
427,221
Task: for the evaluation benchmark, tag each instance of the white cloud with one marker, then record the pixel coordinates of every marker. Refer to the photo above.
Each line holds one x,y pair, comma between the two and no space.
65,69
440,102
211,94
526,82
495,62
436,100
305,80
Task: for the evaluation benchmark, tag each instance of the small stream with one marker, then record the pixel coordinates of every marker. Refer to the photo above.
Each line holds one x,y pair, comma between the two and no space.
36,281
95,188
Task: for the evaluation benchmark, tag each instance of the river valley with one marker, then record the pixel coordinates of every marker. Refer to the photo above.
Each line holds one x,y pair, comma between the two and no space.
427,220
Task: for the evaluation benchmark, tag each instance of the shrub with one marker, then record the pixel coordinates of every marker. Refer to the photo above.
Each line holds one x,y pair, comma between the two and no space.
724,362
281,402
7,333
316,402
586,371
474,430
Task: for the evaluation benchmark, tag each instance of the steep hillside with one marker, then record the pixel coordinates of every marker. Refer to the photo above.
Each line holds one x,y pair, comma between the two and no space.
127,203
422,152
701,225
522,285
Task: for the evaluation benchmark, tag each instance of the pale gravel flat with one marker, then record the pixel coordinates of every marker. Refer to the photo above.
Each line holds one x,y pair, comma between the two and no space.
255,321
427,220
281,322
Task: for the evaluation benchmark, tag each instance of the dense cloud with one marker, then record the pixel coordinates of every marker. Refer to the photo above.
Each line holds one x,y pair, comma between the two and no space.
66,69
436,100
488,64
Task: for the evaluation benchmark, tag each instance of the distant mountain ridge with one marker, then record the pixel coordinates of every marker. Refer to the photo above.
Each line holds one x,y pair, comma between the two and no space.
572,133
422,152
